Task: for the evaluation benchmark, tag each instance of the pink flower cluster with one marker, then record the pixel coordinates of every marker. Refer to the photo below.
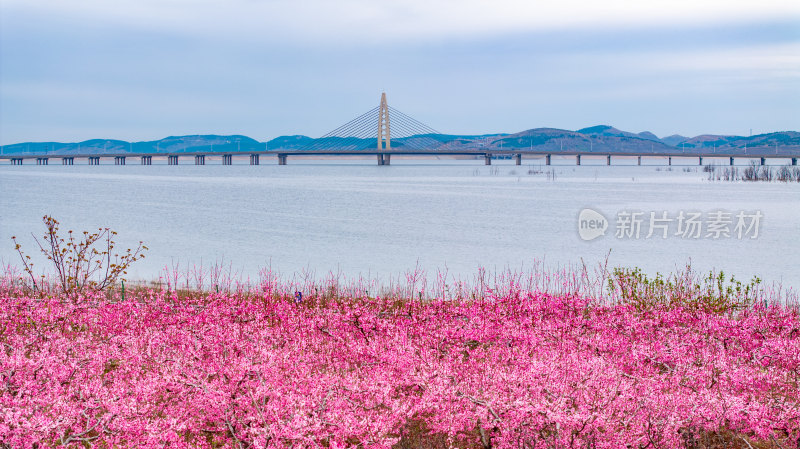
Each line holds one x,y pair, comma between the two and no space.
524,370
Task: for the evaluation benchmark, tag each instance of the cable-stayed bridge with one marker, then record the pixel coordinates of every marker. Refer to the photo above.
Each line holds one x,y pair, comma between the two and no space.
381,128
382,132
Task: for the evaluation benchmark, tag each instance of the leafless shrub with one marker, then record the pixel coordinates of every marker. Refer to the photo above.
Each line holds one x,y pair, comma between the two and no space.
81,264
751,172
766,173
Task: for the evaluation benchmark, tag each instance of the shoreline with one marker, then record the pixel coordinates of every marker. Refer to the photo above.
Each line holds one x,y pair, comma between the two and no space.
604,284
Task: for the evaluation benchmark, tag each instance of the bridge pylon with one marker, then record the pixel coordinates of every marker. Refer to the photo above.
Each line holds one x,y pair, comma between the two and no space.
372,131
384,130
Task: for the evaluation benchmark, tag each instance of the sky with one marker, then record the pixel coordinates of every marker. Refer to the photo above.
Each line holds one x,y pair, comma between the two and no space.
145,69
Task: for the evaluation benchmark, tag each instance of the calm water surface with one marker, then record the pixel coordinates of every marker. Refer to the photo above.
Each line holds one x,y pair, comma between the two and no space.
361,219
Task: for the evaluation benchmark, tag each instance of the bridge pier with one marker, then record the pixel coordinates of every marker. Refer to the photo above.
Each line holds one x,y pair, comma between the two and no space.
639,161
94,160
200,159
608,159
670,160
227,159
253,159
763,161
281,159
487,159
700,158
547,159
41,161
172,160
794,161
731,160
16,161
119,160
518,158
67,161
577,159
147,160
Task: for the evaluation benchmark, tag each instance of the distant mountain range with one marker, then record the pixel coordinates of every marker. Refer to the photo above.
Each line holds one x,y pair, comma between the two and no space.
602,139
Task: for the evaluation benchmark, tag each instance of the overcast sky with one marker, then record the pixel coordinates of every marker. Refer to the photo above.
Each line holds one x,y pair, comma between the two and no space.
146,69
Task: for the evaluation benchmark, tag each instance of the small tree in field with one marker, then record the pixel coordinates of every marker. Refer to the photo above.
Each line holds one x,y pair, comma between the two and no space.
82,264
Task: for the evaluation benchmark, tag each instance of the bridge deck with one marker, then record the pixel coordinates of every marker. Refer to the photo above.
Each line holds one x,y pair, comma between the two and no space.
479,153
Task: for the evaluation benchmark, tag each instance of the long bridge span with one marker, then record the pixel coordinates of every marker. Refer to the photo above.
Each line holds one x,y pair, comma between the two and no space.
382,157
372,134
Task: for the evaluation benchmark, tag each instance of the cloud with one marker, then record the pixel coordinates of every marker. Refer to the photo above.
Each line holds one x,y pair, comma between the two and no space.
375,22
144,69
753,62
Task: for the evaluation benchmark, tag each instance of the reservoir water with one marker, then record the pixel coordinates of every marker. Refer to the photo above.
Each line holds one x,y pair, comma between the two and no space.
354,217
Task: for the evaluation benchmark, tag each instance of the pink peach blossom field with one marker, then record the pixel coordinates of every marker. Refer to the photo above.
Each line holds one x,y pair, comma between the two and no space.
513,369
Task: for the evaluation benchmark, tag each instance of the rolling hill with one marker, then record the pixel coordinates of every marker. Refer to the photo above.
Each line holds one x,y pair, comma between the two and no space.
601,139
